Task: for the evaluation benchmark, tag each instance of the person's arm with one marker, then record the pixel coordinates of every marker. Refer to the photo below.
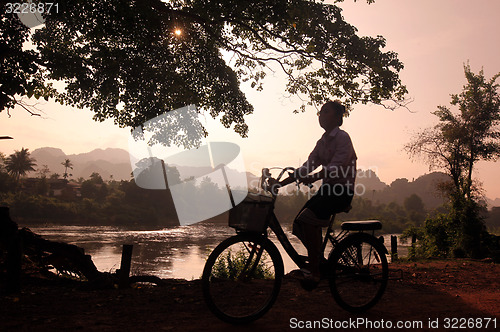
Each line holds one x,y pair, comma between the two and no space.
311,178
287,181
302,173
342,158
312,162
305,180
339,163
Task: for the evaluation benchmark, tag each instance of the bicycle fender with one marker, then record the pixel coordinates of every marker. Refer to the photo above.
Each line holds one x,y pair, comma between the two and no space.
361,236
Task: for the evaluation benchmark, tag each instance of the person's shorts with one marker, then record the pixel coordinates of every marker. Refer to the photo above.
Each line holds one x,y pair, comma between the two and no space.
330,199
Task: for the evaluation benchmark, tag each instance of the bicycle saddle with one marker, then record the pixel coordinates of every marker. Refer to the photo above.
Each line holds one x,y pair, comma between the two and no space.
366,225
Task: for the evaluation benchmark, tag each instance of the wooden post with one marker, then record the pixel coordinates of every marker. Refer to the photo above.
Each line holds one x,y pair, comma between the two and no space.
394,248
12,242
123,281
14,262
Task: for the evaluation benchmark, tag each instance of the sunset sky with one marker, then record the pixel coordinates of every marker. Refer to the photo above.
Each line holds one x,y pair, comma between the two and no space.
433,39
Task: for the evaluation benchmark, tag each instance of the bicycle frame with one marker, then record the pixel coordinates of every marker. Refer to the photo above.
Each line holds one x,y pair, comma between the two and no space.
298,259
275,226
285,242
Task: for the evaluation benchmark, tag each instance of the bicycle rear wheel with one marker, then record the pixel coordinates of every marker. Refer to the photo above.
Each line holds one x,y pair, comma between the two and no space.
242,278
360,272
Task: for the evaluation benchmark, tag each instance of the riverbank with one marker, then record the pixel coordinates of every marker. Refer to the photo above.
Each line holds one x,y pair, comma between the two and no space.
175,252
428,292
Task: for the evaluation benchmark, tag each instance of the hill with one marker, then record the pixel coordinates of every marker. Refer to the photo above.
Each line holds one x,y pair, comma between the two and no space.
108,162
370,181
424,187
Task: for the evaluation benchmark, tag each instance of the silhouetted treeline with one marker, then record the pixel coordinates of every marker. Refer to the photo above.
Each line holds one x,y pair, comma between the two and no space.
98,203
395,217
123,203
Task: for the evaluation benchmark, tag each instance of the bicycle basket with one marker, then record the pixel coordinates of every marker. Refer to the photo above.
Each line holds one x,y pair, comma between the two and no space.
251,214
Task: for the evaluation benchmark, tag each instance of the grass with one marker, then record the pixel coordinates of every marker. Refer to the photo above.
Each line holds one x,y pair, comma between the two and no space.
231,265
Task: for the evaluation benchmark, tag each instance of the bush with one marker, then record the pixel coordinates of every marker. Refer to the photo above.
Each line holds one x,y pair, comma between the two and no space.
458,233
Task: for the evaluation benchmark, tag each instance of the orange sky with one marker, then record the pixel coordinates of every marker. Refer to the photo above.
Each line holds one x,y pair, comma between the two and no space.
433,39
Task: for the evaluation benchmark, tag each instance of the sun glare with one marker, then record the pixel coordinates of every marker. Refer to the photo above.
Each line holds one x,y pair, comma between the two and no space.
178,32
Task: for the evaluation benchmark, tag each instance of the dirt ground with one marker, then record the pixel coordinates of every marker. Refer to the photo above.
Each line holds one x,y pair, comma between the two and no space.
432,294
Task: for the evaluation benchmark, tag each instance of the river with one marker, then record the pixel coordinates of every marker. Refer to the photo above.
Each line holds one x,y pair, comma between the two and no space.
176,252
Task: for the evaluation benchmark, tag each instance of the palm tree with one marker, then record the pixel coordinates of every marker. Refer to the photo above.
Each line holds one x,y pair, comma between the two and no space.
18,163
2,162
67,164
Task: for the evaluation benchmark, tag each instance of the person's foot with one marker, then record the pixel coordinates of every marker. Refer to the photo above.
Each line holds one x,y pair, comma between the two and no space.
295,274
302,274
310,281
307,280
308,275
309,285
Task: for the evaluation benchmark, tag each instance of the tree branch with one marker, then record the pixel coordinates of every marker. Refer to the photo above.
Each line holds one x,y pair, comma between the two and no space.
26,107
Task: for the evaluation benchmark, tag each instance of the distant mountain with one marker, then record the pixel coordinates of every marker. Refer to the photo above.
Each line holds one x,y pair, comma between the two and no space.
44,154
106,162
400,189
369,180
493,203
115,162
111,155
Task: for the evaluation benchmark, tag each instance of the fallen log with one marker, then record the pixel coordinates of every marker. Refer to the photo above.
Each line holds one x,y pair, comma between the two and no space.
64,257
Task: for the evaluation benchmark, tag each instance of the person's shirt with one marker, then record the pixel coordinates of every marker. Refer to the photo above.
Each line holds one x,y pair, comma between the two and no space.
335,152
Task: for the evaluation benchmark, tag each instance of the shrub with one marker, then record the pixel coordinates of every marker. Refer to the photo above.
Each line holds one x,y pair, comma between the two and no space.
230,265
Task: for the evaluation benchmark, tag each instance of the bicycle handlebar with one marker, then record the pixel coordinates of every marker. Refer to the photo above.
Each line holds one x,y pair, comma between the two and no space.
274,185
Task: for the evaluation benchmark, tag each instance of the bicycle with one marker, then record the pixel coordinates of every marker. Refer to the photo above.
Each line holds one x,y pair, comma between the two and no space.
242,276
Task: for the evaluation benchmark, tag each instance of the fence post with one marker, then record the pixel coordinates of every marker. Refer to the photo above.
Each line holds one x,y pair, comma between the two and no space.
10,238
394,248
123,281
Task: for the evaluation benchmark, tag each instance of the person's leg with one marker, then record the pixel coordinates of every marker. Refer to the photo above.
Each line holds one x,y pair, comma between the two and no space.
312,235
316,214
308,229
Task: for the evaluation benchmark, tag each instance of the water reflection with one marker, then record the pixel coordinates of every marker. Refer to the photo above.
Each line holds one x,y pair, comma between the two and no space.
177,252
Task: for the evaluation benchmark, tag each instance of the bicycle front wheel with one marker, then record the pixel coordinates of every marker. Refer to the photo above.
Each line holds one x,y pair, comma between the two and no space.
242,278
360,272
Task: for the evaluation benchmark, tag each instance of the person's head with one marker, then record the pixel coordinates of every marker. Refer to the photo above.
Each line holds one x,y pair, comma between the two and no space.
331,115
